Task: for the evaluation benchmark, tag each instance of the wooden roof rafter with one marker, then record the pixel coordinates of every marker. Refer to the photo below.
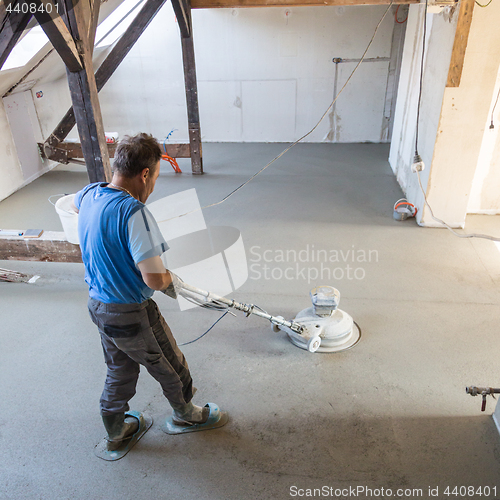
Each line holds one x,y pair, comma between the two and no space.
58,34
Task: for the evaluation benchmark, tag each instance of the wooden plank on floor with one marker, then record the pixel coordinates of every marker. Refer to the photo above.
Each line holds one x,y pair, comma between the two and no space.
460,43
51,246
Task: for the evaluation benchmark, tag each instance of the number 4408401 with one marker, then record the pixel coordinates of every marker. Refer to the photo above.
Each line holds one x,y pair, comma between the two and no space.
33,8
471,491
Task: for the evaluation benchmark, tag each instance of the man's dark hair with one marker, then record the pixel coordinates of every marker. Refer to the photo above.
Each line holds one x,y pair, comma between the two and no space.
135,153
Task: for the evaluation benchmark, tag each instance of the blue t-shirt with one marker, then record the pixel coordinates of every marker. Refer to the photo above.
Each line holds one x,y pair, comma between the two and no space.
116,232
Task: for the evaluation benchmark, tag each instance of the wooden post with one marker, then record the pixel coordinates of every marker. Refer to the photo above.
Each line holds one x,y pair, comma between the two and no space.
83,92
192,105
95,7
460,43
182,10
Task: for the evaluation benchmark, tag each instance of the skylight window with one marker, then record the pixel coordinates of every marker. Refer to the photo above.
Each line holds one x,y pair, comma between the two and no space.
27,48
117,22
107,33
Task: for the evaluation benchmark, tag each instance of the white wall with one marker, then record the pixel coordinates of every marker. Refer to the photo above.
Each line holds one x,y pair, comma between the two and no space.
485,192
264,74
26,133
19,133
463,119
439,44
454,120
270,71
10,169
52,106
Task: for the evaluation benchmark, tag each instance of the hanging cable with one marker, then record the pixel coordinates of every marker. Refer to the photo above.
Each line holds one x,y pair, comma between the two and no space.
207,305
493,110
298,140
480,5
202,335
421,78
119,22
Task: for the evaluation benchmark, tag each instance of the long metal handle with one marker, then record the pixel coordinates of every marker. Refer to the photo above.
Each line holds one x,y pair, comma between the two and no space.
475,391
193,292
483,391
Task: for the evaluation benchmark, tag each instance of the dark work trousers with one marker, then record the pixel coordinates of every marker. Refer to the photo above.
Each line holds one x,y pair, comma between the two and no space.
133,335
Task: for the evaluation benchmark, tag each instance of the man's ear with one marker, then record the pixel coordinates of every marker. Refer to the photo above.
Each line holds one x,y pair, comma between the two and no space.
145,173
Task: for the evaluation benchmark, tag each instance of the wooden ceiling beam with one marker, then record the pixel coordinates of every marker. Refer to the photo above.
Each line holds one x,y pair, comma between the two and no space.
235,4
182,11
460,43
95,7
65,152
58,34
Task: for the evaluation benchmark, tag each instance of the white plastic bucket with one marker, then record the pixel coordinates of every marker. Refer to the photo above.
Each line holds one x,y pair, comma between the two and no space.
69,218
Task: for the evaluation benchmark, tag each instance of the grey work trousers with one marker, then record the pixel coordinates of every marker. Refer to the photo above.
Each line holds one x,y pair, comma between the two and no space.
133,335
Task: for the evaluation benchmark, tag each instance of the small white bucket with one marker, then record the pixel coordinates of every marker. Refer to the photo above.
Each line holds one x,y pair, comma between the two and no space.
69,218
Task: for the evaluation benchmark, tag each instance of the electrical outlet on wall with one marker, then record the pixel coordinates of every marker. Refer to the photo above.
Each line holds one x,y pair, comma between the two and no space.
418,164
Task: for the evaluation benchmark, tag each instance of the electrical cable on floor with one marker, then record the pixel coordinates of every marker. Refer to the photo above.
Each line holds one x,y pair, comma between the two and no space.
464,235
360,334
201,336
298,140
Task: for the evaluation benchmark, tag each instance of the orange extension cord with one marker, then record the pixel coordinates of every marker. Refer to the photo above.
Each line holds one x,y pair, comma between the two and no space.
172,162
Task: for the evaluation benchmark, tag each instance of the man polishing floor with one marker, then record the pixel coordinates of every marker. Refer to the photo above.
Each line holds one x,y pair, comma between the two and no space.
121,247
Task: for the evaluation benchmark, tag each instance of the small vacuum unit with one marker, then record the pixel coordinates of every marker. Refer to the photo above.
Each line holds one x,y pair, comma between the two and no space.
320,328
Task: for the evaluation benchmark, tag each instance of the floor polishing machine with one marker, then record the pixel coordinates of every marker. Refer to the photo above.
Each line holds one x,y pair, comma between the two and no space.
320,328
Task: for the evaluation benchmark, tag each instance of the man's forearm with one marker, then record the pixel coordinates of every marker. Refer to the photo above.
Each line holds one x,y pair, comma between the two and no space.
157,281
154,273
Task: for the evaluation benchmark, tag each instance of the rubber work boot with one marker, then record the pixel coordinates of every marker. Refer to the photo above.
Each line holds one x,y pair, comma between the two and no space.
119,429
189,414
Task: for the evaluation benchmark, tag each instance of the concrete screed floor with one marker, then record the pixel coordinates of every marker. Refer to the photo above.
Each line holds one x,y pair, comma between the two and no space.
390,413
